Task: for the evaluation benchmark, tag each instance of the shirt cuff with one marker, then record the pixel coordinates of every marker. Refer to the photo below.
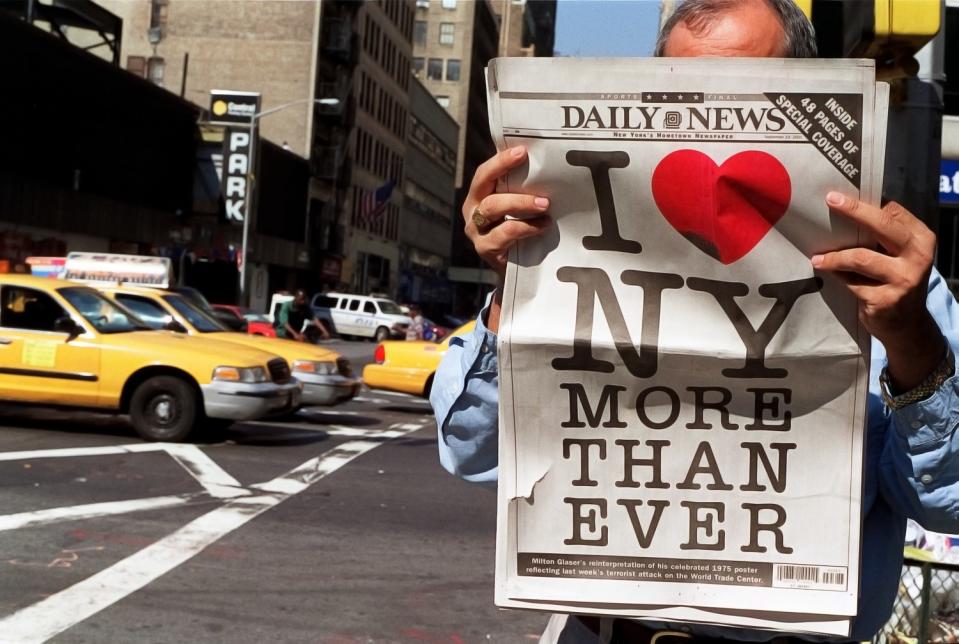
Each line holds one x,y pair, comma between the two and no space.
931,420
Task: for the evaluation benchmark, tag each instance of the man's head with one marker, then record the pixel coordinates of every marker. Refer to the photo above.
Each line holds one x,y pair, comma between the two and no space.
299,297
756,28
414,310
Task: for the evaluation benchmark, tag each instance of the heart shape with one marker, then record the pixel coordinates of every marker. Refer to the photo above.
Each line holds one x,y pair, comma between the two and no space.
723,210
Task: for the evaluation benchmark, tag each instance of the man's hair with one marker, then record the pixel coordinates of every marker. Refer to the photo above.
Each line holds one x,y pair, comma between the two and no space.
800,38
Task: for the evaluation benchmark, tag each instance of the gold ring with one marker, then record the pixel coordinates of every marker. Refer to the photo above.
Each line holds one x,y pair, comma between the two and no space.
480,220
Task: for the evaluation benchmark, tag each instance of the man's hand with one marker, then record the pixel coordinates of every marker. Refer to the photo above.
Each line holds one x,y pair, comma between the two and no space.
891,285
493,241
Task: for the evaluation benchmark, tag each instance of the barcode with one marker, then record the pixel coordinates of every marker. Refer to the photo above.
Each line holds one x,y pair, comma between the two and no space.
833,578
798,573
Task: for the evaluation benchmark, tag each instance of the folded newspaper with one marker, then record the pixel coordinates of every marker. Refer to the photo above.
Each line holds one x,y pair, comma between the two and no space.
682,397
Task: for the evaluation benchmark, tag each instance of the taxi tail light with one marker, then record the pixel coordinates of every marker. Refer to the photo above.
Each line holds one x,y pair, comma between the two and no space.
379,355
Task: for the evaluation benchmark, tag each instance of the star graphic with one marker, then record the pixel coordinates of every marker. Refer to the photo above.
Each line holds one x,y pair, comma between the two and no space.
664,97
680,97
649,97
695,97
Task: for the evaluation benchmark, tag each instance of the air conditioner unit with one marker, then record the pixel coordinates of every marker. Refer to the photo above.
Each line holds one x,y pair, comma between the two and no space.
155,35
422,4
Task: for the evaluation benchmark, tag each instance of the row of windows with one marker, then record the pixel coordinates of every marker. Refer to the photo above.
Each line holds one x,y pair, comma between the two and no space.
377,157
434,68
381,49
447,33
401,13
382,106
384,223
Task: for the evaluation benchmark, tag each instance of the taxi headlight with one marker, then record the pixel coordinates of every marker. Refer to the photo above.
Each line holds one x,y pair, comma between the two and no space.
319,367
241,374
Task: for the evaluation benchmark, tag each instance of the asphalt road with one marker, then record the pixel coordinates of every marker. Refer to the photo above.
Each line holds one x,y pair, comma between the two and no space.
335,526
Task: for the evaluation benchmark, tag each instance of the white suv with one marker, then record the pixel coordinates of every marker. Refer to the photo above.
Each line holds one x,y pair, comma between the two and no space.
362,315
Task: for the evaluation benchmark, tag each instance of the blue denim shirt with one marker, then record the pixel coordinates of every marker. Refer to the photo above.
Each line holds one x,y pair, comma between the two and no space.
911,465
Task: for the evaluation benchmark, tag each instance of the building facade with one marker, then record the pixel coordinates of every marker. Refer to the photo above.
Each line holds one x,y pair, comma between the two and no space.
453,40
428,204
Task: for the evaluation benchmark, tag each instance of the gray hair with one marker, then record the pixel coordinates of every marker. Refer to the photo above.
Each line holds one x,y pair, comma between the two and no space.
800,38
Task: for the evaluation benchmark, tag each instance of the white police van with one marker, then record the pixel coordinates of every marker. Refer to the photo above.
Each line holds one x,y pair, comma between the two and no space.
361,315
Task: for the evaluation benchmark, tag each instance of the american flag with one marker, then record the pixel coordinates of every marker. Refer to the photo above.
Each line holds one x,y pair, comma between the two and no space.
374,203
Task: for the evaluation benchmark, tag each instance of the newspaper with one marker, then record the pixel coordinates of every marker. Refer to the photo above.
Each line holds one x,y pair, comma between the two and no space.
682,398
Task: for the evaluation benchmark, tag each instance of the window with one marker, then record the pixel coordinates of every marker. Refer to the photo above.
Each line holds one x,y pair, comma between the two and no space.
354,305
444,101
447,30
98,310
155,69
418,65
158,13
453,69
151,313
434,70
25,308
419,32
449,4
137,65
369,308
193,315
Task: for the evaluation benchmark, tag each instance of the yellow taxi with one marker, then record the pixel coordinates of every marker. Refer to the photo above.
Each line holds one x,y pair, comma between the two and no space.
408,365
66,344
326,377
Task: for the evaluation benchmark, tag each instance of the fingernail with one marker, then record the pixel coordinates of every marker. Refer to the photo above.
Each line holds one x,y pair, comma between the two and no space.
816,261
835,199
541,202
518,151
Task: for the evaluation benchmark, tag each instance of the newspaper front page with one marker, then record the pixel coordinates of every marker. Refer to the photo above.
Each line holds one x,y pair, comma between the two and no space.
682,397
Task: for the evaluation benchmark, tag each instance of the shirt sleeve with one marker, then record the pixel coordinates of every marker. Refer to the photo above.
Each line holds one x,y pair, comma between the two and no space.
920,460
465,400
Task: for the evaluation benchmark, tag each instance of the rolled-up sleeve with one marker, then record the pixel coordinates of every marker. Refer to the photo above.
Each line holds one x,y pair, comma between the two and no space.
465,401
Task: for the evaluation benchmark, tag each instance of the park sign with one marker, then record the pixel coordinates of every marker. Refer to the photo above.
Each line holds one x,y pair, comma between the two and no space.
682,397
231,107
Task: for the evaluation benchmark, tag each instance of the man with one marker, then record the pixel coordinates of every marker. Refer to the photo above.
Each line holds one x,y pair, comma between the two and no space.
415,330
294,314
912,461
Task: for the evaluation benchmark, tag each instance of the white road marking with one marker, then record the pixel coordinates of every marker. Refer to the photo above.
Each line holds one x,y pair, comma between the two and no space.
84,451
207,473
94,510
58,612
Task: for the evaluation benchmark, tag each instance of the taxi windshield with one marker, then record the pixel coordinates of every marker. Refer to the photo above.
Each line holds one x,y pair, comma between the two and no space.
105,315
199,319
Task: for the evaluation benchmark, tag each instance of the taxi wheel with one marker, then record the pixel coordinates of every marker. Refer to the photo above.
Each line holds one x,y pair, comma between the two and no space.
382,333
163,408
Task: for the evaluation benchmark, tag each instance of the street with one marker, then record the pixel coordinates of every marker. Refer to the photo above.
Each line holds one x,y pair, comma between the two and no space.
335,525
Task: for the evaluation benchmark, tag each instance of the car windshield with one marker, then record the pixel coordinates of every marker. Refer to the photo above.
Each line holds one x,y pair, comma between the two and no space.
105,315
199,319
386,306
195,297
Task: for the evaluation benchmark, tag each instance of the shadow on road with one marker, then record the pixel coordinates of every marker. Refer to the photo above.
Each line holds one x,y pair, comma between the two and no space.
409,409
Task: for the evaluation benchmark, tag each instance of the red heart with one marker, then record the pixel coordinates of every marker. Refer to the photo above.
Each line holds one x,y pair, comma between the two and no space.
722,210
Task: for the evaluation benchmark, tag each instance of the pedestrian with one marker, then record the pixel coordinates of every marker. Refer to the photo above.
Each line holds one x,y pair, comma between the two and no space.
415,330
912,460
293,316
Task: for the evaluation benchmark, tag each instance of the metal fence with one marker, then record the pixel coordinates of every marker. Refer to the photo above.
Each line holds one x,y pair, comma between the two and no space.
926,607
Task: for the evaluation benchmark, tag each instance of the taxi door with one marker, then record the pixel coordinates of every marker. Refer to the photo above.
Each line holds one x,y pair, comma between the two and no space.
37,362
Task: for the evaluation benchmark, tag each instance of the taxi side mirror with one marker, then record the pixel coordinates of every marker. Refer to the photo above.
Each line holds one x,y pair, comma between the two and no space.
67,325
173,325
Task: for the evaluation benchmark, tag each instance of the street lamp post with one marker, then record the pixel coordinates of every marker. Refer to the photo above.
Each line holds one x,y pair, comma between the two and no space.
251,210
